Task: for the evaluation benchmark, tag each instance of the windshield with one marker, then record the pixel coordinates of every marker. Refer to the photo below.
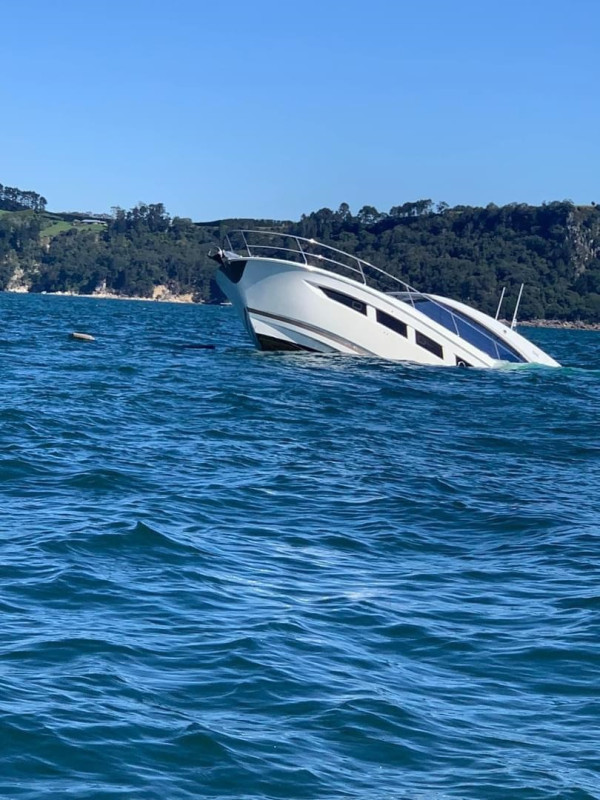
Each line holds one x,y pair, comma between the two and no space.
467,328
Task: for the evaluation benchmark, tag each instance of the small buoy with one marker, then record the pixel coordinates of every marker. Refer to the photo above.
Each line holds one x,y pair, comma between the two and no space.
83,337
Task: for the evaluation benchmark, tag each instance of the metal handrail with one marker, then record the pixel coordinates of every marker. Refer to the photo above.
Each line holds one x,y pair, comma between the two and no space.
305,253
361,264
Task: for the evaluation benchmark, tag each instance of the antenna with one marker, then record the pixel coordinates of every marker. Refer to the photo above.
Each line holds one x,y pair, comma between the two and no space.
514,319
500,303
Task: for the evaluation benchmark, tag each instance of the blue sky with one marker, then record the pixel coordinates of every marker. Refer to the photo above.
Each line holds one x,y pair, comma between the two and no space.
274,109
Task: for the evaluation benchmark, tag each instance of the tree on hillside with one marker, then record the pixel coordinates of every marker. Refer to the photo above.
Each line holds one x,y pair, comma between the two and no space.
13,199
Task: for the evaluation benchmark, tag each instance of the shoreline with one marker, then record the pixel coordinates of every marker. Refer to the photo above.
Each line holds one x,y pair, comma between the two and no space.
167,297
170,298
160,297
574,325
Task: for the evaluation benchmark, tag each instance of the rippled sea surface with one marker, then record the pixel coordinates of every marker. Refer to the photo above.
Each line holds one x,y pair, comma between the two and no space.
233,574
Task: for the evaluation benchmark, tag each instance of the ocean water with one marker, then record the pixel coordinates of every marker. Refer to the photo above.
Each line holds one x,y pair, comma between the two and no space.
241,575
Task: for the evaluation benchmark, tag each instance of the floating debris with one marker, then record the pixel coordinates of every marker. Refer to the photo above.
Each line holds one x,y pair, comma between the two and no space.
83,337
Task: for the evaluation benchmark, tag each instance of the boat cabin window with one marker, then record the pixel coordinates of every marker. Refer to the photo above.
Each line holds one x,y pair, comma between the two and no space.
391,322
467,328
429,344
345,299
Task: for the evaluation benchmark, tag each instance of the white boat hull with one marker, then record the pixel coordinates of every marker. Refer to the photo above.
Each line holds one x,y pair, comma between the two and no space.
287,305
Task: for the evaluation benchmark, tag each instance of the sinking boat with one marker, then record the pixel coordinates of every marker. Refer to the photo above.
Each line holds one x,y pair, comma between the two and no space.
294,293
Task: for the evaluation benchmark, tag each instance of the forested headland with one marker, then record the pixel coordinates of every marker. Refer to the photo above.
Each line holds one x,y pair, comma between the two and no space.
465,252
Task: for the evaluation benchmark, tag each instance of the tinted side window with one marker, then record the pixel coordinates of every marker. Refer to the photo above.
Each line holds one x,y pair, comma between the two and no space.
391,322
429,344
345,300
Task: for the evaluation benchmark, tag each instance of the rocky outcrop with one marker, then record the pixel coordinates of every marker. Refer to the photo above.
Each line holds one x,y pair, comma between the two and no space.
18,282
583,237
